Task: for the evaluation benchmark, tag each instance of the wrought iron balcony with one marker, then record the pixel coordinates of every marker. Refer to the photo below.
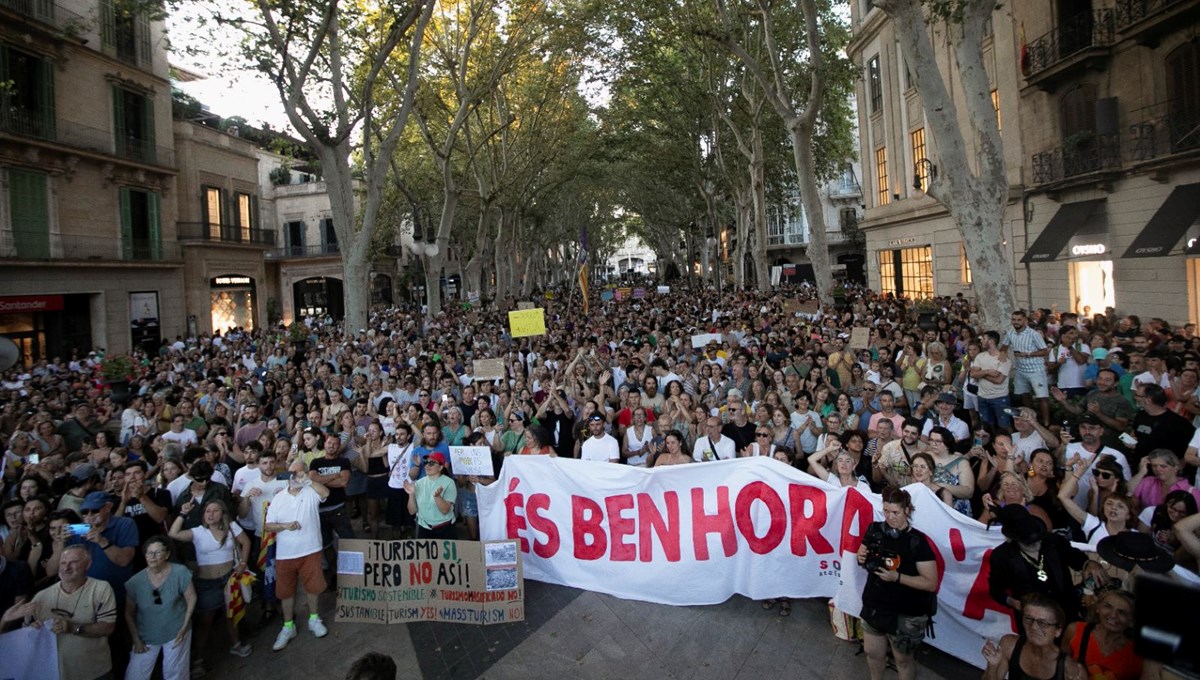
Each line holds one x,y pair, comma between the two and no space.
1080,154
225,233
1081,41
1148,20
26,122
43,245
1163,129
300,251
795,238
50,13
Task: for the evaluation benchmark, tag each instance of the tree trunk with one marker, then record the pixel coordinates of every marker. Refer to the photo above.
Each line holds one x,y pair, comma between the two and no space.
355,242
810,200
758,188
975,201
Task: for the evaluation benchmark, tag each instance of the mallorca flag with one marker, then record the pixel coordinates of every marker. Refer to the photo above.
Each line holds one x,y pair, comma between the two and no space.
1024,52
583,270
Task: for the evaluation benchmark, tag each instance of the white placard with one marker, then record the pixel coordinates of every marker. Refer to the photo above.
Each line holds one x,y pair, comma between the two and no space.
704,338
471,460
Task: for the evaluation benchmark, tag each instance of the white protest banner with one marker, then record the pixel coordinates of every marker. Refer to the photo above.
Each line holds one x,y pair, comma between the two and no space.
29,654
471,460
704,338
698,534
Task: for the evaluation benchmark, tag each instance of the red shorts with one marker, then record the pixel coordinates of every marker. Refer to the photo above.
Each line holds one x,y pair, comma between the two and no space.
306,569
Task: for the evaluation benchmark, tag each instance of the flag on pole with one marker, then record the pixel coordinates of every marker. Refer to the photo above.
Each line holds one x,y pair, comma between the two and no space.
583,270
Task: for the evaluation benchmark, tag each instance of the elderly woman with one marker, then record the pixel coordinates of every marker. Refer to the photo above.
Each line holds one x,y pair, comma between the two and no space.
159,604
1012,489
1164,468
1034,654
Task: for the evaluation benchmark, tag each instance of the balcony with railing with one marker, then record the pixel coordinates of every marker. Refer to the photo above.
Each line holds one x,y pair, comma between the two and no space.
190,232
1148,20
41,245
23,122
801,239
1080,154
1081,42
290,252
48,12
1162,130
62,132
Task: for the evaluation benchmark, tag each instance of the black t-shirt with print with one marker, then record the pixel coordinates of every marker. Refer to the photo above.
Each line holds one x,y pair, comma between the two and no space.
325,466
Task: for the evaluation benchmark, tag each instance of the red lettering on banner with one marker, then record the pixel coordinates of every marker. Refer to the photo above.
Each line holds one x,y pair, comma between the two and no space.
545,525
704,524
620,527
979,599
514,524
957,547
587,527
650,519
858,512
759,491
807,528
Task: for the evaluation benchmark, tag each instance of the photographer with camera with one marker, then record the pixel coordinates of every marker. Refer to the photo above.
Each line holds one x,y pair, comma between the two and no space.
899,598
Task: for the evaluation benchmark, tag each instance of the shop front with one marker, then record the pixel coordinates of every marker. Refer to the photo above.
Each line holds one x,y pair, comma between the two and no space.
47,326
318,296
233,302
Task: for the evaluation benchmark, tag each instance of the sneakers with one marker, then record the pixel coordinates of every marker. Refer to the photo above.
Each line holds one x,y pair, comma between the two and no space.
317,627
285,636
242,649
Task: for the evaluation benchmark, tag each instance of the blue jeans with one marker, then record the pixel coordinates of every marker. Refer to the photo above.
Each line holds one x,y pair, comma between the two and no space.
991,411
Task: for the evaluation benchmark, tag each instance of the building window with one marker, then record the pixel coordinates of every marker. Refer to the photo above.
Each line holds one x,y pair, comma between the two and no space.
125,32
133,125
848,219
141,238
329,242
26,94
907,272
214,209
246,213
293,233
996,106
883,197
918,153
964,265
1092,286
29,213
875,84
1183,96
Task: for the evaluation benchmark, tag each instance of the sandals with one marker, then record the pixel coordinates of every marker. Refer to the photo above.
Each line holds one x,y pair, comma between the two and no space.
785,607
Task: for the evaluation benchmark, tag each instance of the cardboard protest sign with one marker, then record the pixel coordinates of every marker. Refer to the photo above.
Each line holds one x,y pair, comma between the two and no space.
639,293
429,580
606,296
488,369
860,338
792,305
525,305
810,307
472,460
624,293
704,338
527,322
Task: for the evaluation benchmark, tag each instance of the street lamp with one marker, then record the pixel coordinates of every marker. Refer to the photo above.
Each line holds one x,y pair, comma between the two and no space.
923,169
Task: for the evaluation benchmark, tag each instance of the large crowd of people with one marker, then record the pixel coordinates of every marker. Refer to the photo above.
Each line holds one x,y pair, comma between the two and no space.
126,513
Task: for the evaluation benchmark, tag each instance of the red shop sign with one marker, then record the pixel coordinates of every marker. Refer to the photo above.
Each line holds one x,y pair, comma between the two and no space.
13,304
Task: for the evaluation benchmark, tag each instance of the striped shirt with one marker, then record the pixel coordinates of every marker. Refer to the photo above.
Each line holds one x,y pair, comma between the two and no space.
1026,341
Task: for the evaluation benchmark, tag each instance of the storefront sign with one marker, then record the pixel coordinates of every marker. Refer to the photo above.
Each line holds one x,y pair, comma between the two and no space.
429,580
14,304
902,241
1089,249
232,281
698,534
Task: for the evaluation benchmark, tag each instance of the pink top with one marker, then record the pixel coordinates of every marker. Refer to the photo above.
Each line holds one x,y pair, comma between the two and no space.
1149,491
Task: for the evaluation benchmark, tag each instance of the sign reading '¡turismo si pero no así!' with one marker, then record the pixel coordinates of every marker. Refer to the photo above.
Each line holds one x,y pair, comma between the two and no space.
430,580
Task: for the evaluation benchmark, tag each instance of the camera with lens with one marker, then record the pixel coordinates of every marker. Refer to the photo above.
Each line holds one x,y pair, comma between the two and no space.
881,559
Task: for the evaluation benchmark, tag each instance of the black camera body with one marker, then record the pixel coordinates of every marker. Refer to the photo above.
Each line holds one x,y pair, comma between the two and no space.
881,559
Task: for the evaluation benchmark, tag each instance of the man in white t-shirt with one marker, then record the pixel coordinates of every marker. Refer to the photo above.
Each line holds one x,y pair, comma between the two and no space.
601,446
293,516
712,446
257,489
1071,357
1091,431
1029,435
178,433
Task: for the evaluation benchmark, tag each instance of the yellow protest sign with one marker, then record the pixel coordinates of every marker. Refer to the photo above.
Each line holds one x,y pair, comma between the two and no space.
527,322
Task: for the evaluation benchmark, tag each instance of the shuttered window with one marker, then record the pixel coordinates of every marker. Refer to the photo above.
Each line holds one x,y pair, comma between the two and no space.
26,94
30,212
1183,96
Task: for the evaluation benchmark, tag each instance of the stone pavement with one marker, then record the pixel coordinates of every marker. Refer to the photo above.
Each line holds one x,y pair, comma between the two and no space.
570,633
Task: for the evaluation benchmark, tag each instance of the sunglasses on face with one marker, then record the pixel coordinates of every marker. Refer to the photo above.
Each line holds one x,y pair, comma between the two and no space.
763,434
85,513
1103,474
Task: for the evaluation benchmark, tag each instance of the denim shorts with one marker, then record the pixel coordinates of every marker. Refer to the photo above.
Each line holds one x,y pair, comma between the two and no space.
468,506
908,636
210,593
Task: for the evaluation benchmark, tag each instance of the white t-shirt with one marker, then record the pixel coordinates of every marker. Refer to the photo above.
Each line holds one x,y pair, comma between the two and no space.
253,522
635,445
1070,373
604,449
725,448
1085,483
184,439
209,552
1027,444
302,508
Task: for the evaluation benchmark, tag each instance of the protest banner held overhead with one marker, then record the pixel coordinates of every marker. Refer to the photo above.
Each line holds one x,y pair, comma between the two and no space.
429,580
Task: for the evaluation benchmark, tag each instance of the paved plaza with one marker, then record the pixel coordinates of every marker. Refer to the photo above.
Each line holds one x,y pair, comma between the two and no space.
570,633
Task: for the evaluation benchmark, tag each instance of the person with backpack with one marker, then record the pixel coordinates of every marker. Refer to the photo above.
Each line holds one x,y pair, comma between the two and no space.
900,597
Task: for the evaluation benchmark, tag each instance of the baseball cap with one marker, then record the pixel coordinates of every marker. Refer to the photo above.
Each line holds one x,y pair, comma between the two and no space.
948,398
1099,354
436,457
595,417
84,472
1089,418
96,500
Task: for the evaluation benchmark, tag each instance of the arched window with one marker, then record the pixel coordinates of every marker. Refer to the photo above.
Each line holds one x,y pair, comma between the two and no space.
1183,96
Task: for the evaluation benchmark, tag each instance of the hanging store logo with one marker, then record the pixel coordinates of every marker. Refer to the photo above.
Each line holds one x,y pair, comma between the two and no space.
1089,249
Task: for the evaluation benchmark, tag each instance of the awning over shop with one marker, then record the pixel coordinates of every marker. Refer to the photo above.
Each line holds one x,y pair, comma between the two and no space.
1169,224
1068,220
